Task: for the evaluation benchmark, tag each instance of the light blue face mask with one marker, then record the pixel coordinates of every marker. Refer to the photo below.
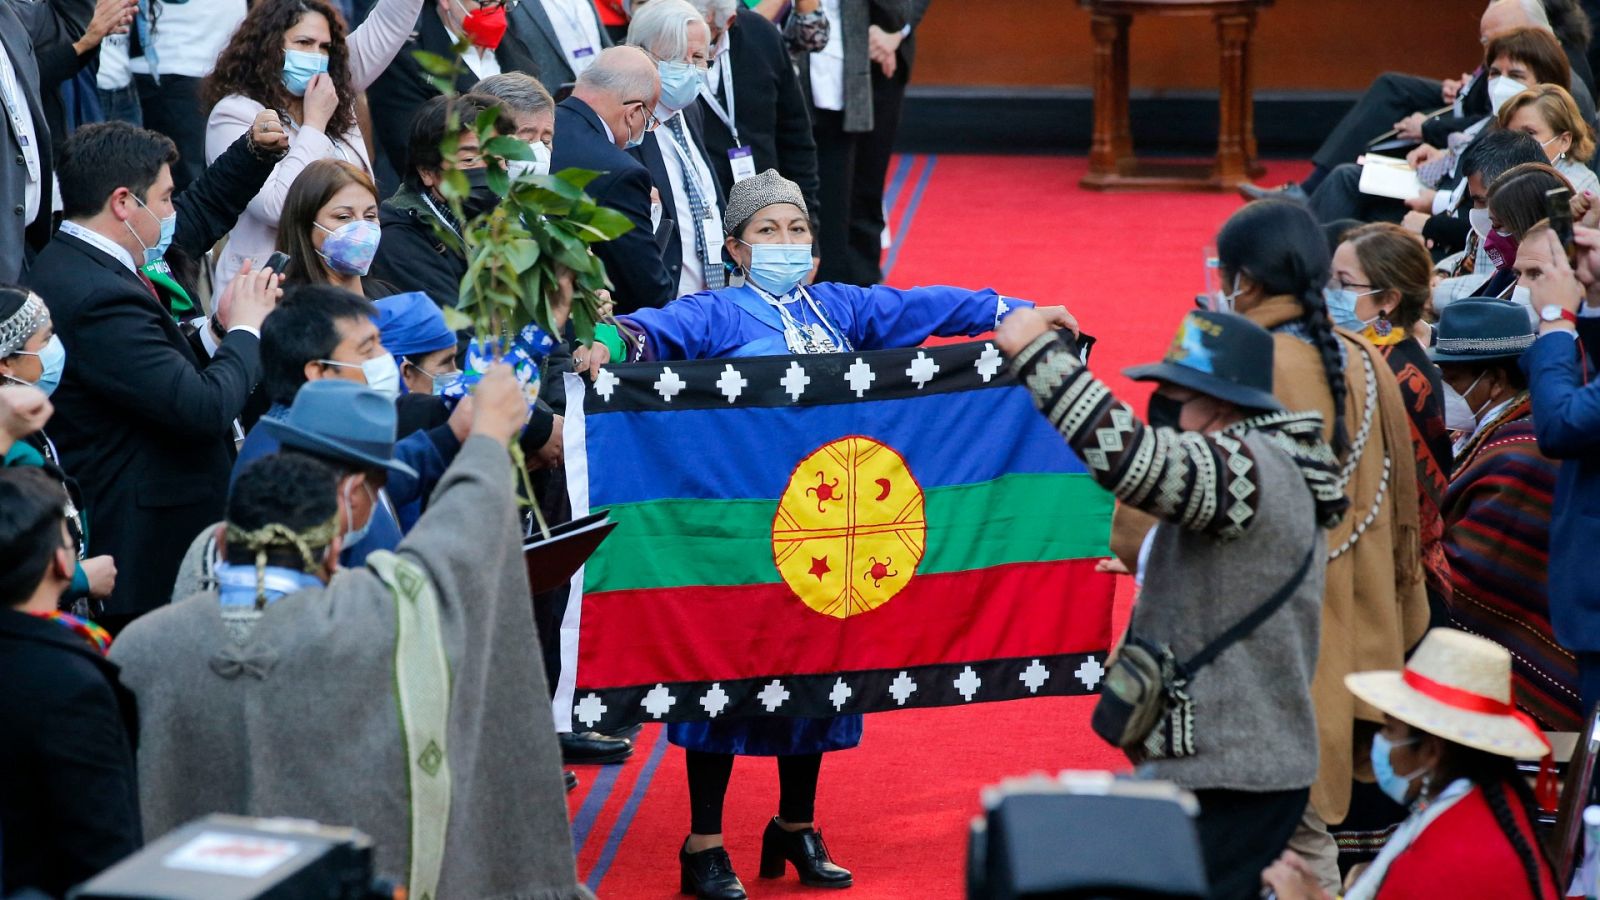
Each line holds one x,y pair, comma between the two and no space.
1341,304
169,226
52,362
357,535
778,268
680,84
299,67
1395,786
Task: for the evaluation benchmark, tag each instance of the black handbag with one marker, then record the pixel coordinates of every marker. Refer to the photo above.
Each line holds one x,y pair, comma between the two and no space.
1144,706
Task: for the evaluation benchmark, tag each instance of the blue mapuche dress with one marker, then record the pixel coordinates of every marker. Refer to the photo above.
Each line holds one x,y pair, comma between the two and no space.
822,318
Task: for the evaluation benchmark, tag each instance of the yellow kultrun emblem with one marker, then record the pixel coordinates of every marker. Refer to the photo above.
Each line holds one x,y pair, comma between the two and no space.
850,528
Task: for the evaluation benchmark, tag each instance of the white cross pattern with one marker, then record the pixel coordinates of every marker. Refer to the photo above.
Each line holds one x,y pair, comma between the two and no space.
731,383
715,700
922,370
1089,672
605,384
988,363
669,384
773,695
658,702
840,694
589,710
1034,676
794,381
902,688
860,376
967,684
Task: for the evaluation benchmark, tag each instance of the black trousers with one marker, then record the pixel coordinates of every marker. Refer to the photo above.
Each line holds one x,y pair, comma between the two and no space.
1241,833
708,785
1339,197
1392,97
852,169
173,109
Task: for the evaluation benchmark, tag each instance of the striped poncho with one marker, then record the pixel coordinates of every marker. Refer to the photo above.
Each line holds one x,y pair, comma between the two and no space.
1497,545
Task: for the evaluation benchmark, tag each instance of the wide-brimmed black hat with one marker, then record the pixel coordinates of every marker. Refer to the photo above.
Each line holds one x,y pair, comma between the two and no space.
1477,329
343,421
1223,355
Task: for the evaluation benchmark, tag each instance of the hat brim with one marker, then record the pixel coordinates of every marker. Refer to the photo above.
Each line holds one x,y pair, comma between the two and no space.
290,435
1237,394
1498,734
1439,357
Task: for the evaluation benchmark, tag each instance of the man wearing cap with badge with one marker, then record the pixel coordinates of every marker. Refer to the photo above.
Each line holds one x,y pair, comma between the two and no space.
1497,508
397,697
1449,747
1232,573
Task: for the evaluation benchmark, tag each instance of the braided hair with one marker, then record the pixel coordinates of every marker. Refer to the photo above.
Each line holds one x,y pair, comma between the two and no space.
1282,248
1502,785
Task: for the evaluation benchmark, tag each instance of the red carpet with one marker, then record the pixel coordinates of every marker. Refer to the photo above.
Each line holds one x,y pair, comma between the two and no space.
896,809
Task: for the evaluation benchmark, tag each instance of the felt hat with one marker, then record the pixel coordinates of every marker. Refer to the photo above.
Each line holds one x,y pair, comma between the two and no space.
1481,328
342,421
1220,354
411,323
1456,686
749,196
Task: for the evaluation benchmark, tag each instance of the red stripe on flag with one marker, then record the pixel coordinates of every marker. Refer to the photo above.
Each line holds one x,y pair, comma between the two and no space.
725,633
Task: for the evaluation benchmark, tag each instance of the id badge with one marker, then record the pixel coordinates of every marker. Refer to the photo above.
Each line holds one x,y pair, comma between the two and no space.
581,58
744,163
712,230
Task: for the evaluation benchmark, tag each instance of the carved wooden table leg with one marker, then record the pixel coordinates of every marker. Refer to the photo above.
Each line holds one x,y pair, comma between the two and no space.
1110,93
1234,102
1122,140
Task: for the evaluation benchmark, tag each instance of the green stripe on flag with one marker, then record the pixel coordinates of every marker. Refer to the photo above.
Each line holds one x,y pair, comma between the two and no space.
1014,519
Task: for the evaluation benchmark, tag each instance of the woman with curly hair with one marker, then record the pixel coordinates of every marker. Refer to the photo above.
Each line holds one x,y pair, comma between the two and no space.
294,56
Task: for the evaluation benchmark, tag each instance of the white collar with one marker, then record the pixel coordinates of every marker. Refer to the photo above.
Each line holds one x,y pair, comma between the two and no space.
1492,412
100,242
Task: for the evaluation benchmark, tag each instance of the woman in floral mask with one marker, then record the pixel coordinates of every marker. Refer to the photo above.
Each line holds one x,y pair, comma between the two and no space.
330,229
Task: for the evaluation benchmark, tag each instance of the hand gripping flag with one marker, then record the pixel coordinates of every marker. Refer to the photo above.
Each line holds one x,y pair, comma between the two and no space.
814,535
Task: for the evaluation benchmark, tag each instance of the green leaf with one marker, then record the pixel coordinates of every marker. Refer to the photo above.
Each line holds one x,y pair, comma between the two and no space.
456,320
434,64
441,84
521,254
578,178
454,186
498,180
484,126
607,224
508,147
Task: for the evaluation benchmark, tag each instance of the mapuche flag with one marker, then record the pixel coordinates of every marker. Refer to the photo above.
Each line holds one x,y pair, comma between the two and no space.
814,535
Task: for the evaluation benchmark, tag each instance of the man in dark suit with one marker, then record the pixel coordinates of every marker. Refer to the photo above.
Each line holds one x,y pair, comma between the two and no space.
610,109
146,432
70,807
768,110
564,36
25,136
403,87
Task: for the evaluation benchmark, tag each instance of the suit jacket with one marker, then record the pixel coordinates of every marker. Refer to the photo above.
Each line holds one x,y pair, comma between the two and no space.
403,87
146,432
634,261
71,803
1566,420
531,24
649,153
855,17
54,25
16,43
772,114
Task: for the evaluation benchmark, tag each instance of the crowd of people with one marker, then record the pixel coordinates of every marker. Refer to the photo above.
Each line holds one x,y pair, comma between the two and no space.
252,480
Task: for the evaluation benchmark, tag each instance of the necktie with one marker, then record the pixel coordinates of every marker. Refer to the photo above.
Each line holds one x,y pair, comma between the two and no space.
148,284
702,209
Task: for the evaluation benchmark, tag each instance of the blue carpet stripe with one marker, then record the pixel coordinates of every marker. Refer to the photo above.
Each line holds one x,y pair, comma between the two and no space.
897,180
905,220
599,792
608,854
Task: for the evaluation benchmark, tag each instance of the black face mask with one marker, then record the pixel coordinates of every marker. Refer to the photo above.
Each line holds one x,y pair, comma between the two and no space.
481,198
1164,412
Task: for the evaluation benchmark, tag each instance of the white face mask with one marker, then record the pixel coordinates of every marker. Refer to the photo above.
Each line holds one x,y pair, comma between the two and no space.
1480,222
1502,89
539,165
1458,414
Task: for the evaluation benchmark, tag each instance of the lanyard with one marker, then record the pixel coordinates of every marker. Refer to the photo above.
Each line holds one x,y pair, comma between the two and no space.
10,90
686,158
573,19
724,75
823,337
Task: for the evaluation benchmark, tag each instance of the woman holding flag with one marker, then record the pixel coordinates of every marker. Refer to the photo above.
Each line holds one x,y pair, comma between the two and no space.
767,312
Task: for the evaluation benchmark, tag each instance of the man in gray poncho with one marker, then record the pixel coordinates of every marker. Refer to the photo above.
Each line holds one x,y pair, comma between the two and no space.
402,697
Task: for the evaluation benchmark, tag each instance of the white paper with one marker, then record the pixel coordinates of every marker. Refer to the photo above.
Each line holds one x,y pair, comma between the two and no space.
1385,176
240,855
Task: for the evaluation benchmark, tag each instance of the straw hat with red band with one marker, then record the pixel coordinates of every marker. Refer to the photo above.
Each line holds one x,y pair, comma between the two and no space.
1457,686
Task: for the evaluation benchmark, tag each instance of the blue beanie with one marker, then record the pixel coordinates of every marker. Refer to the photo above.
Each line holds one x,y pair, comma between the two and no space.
412,324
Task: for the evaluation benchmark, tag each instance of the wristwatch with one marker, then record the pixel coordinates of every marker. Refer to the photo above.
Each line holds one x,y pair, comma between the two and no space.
1554,313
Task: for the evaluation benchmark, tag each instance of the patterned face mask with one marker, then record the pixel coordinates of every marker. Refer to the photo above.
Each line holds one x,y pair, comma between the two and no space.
349,249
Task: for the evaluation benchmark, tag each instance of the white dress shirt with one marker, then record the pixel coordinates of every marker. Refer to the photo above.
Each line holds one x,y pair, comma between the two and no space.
692,279
15,101
100,242
482,62
578,30
827,64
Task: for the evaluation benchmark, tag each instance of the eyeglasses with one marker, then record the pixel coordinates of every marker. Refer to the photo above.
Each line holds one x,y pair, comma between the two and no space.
651,123
1343,285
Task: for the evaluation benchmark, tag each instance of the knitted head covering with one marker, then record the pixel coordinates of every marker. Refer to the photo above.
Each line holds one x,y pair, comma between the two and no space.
755,192
19,320
411,324
274,534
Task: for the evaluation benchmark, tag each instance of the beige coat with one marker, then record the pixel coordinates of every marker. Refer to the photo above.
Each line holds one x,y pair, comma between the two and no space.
1375,605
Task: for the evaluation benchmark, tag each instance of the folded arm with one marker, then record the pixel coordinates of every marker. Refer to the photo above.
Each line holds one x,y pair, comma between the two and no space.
1566,412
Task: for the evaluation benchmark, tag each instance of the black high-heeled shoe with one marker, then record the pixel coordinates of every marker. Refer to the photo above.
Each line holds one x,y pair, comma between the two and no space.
708,874
806,852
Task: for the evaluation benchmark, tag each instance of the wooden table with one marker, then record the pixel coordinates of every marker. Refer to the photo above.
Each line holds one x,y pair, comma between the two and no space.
1112,165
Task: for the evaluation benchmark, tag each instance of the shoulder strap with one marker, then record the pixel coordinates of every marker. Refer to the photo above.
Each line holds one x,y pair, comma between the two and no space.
1251,622
422,681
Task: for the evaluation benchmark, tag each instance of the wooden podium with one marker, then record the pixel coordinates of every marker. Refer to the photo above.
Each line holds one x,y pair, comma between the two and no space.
1112,165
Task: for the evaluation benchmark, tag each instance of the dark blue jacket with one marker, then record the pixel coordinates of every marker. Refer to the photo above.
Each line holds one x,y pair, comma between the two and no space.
1566,419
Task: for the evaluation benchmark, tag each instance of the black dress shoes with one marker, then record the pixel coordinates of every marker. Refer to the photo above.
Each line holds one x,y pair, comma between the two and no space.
1290,191
806,852
591,748
571,778
708,874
